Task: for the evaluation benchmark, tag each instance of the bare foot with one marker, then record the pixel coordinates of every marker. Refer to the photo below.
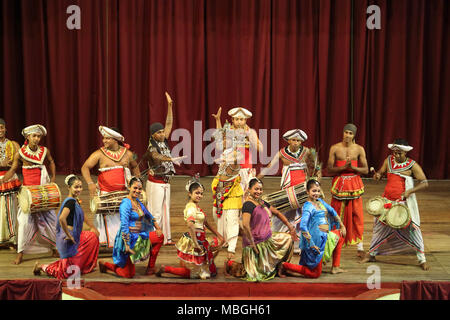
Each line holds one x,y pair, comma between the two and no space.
170,243
150,271
37,269
425,266
230,255
101,266
360,254
160,271
368,258
225,266
335,270
18,259
281,271
55,253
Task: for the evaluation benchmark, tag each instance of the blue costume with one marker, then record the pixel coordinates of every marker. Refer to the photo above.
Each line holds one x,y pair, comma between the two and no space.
311,219
65,248
137,241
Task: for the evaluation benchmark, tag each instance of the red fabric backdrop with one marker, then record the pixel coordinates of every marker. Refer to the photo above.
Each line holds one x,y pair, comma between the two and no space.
290,62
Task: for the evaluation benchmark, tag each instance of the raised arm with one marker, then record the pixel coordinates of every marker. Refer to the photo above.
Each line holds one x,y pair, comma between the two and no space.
217,117
169,118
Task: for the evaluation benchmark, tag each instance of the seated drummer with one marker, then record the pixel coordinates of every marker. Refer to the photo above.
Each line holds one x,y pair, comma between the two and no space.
400,188
34,158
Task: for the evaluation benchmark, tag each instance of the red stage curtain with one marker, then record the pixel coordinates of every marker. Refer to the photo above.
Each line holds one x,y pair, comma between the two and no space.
289,61
425,290
401,81
30,290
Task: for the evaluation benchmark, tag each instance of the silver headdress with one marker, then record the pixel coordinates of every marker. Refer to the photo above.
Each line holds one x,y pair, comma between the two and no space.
194,179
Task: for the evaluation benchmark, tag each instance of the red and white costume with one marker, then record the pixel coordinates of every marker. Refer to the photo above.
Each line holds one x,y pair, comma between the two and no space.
8,197
109,180
36,231
387,240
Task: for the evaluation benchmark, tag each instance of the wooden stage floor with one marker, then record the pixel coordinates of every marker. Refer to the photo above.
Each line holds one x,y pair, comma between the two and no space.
434,205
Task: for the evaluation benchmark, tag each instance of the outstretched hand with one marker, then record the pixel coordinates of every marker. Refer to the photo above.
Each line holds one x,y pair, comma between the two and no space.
177,160
169,99
217,115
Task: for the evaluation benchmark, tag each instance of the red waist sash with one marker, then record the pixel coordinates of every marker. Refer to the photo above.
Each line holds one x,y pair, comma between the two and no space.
111,180
348,185
395,186
9,185
31,176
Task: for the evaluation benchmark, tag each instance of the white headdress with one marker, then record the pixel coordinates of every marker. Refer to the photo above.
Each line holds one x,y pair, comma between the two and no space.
240,112
295,133
401,146
35,128
70,176
108,132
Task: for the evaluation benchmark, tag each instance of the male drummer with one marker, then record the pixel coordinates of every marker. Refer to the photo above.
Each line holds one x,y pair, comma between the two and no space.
116,164
399,189
161,170
299,163
347,160
243,138
8,190
34,159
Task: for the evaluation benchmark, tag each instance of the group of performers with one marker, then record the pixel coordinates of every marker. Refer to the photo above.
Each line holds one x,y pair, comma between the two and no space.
137,230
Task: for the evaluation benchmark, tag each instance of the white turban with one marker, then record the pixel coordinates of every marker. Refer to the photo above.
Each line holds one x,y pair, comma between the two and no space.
110,133
295,133
35,128
240,112
400,146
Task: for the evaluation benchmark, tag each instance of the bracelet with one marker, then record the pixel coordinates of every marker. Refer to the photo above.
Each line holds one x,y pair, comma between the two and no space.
90,182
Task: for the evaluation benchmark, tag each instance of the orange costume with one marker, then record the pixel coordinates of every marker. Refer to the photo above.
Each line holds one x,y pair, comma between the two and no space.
347,189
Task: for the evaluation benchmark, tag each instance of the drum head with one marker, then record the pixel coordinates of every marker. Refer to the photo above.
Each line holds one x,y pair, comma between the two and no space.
24,198
375,206
398,216
93,204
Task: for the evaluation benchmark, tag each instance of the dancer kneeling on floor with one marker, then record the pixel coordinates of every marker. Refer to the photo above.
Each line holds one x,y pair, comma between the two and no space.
196,253
76,247
318,244
136,241
263,251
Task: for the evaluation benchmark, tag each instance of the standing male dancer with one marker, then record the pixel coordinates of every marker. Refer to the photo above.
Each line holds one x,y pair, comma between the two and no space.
114,162
243,139
33,158
161,170
8,190
400,188
347,161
